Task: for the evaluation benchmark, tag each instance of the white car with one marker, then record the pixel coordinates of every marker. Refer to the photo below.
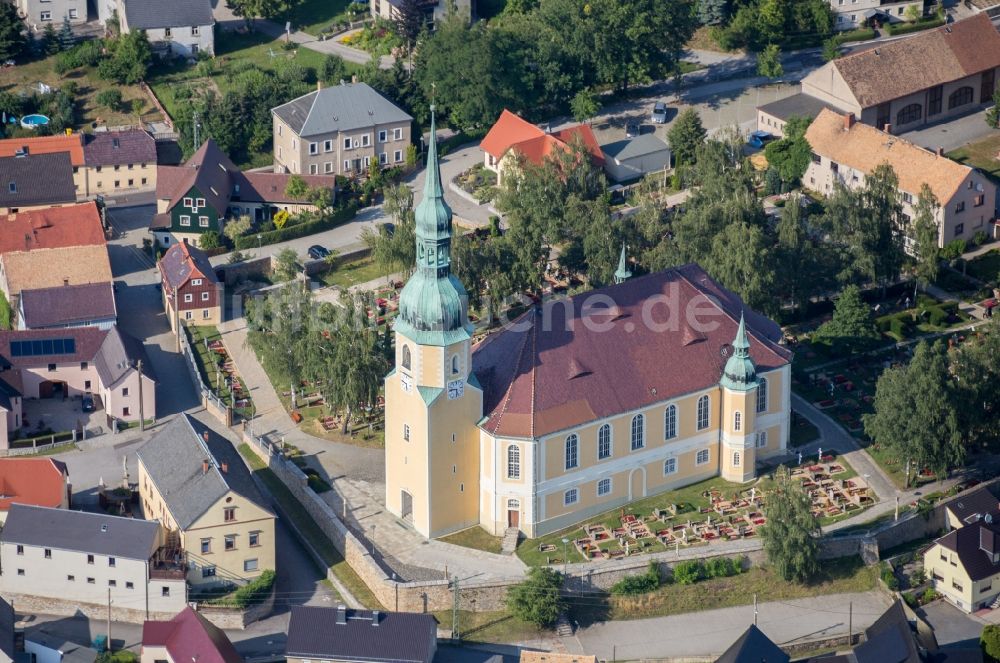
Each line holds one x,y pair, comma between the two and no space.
659,115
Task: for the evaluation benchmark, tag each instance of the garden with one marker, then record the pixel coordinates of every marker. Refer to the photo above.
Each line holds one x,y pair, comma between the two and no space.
217,369
479,181
701,514
377,39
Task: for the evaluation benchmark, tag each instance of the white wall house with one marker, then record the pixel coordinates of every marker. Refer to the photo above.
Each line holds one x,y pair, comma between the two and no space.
183,27
37,13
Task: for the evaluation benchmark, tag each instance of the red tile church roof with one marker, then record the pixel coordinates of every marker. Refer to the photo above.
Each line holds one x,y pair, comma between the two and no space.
539,377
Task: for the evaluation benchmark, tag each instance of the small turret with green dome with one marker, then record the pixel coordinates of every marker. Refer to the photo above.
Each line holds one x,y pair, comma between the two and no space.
434,306
740,374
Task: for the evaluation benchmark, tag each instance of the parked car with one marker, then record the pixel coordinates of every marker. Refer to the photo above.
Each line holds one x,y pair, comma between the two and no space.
659,115
317,252
759,139
632,129
87,405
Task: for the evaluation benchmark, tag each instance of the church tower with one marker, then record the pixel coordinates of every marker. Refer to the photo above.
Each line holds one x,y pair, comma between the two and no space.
432,398
739,409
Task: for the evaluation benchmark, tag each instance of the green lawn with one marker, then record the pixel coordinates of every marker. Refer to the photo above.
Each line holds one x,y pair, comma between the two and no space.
313,16
847,574
985,267
352,273
689,501
497,627
474,537
981,154
310,530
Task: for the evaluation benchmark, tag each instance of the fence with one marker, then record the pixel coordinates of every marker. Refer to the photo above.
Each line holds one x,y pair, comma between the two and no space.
156,102
213,404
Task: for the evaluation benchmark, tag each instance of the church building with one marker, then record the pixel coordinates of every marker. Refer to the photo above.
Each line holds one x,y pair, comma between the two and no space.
579,406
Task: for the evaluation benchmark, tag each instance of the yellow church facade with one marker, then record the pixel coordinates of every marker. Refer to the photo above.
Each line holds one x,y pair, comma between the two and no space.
580,406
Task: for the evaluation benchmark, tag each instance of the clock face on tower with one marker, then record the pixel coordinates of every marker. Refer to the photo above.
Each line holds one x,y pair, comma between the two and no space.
455,389
406,381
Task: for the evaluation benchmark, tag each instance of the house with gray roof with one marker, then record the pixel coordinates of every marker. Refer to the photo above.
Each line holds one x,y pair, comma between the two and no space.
76,305
181,27
339,130
194,482
30,181
359,636
633,158
74,559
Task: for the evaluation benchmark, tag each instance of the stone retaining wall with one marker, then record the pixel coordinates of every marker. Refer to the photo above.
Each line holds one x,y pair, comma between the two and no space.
237,618
27,604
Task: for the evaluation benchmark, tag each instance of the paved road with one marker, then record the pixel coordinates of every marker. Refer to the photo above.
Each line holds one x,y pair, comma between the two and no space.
710,632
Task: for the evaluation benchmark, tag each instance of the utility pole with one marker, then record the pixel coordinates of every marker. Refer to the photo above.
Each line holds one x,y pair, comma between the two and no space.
142,415
907,472
197,133
177,321
755,609
109,619
850,623
454,613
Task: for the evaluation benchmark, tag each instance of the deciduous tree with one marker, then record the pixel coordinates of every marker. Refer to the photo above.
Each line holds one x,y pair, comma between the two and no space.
769,62
852,325
924,232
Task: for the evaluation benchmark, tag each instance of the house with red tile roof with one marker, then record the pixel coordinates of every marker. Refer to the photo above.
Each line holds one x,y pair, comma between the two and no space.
185,638
192,293
511,133
578,407
33,481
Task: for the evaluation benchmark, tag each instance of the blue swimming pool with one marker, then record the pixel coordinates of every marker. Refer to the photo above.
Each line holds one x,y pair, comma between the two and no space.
32,121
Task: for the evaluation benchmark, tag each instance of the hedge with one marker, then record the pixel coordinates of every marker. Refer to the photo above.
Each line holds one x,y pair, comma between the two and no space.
252,593
907,28
299,230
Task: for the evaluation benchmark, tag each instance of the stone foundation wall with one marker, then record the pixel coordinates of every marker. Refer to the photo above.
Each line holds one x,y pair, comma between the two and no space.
26,604
236,618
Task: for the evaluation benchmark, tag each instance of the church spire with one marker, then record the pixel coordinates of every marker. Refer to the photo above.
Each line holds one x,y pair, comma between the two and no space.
740,373
622,274
433,307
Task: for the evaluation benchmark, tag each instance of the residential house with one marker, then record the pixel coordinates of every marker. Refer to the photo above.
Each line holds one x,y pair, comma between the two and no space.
845,151
359,636
339,130
186,638
753,647
198,197
973,507
901,85
181,27
964,565
195,484
73,559
42,646
191,291
38,13
107,163
632,159
773,117
31,181
545,423
891,639
434,10
33,481
854,14
512,134
72,363
61,306
48,247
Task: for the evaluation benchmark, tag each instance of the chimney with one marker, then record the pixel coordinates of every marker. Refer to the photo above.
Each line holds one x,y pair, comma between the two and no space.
940,151
887,128
224,467
204,467
341,614
848,121
376,615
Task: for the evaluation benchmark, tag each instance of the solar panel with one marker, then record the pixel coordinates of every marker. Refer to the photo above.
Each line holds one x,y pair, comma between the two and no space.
43,347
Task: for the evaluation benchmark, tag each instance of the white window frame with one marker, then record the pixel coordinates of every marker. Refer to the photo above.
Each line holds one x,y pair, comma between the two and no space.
670,422
313,169
704,412
200,203
383,135
397,156
204,296
328,167
406,432
188,298
328,145
185,220
45,16
702,454
366,140
397,133
669,466
195,281
737,421
313,148
347,165
571,497
513,462
761,440
383,158
571,452
606,484
347,143
188,202
611,449
203,222
195,31
762,395
736,459
639,419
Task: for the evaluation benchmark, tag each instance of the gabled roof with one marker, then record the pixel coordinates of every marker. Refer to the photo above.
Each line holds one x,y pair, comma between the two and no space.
46,145
51,228
39,179
183,262
112,148
173,459
67,304
863,147
889,639
894,69
190,637
797,105
150,14
398,637
7,621
753,647
119,354
343,107
511,132
975,506
633,148
966,542
46,268
87,342
33,481
80,531
529,392
208,170
270,187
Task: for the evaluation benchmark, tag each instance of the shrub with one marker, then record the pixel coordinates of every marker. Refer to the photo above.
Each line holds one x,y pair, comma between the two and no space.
210,240
110,98
990,641
889,578
953,249
898,327
255,591
938,317
906,28
299,230
910,599
980,238
688,573
638,584
723,567
930,594
538,599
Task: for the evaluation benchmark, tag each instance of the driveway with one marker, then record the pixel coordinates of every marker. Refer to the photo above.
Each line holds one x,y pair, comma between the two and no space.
711,632
952,627
953,134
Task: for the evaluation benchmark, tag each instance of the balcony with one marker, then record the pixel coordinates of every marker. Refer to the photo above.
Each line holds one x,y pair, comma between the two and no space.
168,563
